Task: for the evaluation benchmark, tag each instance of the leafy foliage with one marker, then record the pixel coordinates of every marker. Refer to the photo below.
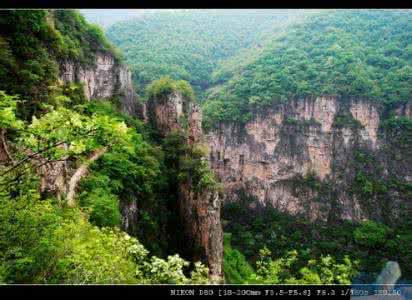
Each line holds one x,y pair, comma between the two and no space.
104,206
286,270
81,133
370,234
189,162
33,42
237,269
165,86
80,40
8,106
301,252
42,243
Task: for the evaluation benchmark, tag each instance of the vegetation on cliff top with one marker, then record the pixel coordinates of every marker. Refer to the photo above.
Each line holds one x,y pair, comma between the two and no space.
79,40
165,86
33,42
358,53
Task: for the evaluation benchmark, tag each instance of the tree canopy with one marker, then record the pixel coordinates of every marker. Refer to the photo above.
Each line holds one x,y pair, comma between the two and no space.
355,53
188,45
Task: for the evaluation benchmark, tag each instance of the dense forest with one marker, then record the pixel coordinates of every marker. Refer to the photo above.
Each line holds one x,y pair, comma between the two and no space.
364,53
188,44
69,165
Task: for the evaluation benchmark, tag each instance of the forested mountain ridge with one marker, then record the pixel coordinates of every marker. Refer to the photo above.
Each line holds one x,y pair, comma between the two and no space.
308,118
352,53
306,164
317,128
189,44
32,44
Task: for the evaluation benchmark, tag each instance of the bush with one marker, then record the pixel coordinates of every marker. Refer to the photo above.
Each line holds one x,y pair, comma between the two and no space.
237,269
42,243
165,86
370,234
104,207
287,270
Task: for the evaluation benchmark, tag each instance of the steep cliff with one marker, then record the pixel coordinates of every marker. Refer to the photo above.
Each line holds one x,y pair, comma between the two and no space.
199,210
60,150
323,158
199,204
106,78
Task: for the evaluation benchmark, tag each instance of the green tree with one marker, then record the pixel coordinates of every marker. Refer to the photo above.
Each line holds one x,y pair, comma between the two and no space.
370,234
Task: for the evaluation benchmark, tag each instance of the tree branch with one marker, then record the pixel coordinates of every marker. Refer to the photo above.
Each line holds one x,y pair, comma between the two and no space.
4,144
34,168
31,156
39,152
80,173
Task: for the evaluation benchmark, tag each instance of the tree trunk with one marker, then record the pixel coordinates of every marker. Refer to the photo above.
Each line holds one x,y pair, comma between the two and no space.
4,150
80,173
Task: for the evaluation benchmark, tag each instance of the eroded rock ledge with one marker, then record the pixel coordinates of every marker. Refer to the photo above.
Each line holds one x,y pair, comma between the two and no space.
301,156
105,79
200,210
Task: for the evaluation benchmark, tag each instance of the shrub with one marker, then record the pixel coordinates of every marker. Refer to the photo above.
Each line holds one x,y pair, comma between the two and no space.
370,234
237,269
166,85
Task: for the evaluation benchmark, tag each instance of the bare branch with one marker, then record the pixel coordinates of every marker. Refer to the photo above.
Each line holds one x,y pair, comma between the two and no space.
4,145
80,173
31,156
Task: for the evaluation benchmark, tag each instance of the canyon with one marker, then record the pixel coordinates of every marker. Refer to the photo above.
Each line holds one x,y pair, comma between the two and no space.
299,157
271,153
199,210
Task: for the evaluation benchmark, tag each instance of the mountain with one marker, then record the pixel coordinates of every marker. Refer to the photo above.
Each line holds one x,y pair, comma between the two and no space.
237,146
317,128
188,44
358,53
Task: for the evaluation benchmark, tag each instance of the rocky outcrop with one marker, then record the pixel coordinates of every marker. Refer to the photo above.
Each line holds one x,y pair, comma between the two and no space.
302,157
129,211
105,79
165,113
199,209
108,79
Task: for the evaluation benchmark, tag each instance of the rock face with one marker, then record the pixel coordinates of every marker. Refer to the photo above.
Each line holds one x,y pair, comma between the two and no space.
4,152
304,157
129,211
199,210
165,113
105,79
